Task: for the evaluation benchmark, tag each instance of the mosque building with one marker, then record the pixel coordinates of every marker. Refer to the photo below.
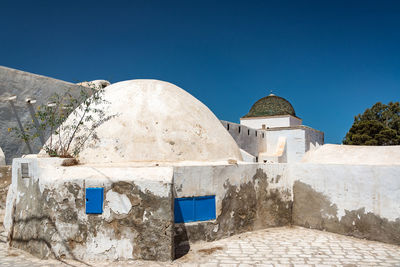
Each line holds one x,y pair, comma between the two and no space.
163,172
278,132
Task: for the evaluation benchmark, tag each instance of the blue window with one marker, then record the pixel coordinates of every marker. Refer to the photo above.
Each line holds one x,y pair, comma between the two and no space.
94,200
191,209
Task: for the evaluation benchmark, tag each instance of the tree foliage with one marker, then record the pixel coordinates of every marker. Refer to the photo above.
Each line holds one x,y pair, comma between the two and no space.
377,126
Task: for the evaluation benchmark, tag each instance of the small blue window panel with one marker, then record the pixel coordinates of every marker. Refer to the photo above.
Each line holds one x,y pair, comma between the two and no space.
94,200
204,208
184,211
191,209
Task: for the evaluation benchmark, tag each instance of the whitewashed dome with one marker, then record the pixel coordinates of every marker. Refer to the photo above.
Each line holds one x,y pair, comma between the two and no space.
157,121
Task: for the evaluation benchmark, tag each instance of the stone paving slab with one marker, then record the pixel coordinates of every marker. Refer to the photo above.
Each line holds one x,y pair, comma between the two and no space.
283,246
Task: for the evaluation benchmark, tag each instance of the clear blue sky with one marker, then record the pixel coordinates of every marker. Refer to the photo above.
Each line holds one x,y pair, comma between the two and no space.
330,59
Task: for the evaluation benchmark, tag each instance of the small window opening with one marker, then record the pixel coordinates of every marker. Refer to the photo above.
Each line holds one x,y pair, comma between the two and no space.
239,129
25,170
263,135
248,132
256,133
227,126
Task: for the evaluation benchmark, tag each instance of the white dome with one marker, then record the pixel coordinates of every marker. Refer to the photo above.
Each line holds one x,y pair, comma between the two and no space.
156,121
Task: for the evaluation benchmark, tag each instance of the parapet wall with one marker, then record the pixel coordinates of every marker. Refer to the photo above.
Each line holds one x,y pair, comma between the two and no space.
250,140
358,200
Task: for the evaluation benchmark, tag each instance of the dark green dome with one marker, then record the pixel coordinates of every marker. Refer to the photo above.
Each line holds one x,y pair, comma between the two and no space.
271,105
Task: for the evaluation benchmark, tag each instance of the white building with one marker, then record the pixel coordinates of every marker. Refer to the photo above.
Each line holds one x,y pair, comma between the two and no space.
281,135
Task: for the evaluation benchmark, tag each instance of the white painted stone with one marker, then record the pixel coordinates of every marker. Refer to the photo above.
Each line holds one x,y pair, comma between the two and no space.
299,140
247,157
2,158
345,154
351,187
118,203
248,139
156,121
102,246
271,121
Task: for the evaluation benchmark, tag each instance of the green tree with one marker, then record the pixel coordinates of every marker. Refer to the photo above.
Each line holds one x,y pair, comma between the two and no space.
377,126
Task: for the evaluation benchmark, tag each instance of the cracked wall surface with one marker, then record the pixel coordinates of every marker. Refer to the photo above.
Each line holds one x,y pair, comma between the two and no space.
248,197
49,217
45,213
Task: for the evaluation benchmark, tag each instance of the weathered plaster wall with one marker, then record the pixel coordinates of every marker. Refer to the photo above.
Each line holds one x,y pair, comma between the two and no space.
5,181
248,197
250,140
50,218
24,84
2,158
358,200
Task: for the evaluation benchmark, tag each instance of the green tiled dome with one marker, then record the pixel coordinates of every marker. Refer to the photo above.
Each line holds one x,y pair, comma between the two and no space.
270,106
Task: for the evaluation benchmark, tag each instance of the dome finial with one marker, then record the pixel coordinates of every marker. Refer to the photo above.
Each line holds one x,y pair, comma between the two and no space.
271,94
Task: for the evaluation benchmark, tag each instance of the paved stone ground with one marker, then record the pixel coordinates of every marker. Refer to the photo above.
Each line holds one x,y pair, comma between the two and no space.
284,246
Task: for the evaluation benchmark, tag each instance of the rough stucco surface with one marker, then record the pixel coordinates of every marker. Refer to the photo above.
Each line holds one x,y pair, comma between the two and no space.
248,197
2,158
5,181
155,121
24,84
358,200
50,218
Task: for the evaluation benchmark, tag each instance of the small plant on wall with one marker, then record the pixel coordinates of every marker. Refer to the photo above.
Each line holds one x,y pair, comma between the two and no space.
69,120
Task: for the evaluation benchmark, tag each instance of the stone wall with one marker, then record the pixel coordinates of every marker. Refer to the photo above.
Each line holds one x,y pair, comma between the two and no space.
358,200
250,140
50,218
23,85
248,197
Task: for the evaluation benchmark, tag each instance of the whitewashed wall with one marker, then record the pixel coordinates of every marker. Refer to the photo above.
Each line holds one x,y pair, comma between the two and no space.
295,143
271,122
358,200
250,140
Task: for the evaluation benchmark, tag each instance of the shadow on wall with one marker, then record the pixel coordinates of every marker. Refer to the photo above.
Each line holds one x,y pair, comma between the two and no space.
41,245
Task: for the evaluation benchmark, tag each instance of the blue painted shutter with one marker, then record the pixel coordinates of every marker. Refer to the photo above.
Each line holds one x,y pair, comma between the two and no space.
94,200
204,208
184,211
191,209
